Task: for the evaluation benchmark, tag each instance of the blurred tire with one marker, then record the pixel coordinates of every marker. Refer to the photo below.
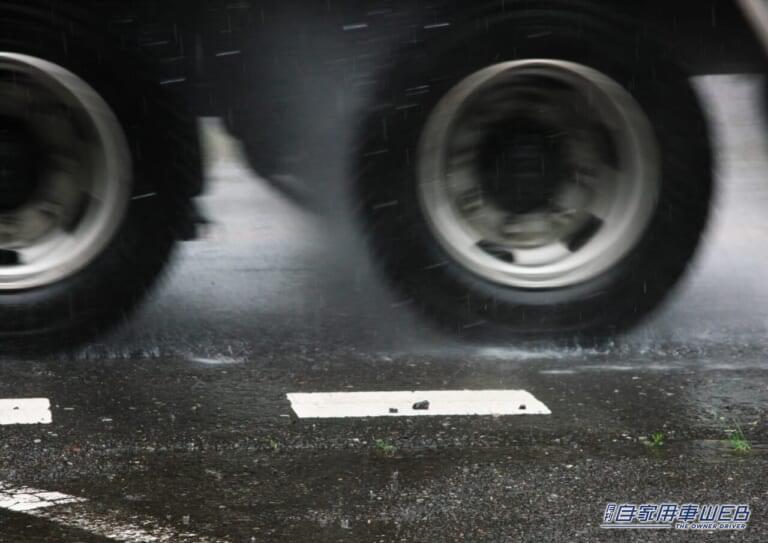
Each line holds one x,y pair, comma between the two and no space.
138,134
419,104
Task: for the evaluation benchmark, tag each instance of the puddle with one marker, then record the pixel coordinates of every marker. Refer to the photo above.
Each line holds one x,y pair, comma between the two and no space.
713,450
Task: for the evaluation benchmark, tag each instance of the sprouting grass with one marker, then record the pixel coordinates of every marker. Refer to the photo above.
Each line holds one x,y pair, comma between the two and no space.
274,445
385,448
738,442
657,440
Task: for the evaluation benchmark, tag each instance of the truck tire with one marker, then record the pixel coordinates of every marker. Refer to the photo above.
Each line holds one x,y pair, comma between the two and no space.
544,172
94,159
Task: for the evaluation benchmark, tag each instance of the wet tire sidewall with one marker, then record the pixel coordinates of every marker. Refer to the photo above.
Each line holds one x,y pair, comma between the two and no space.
163,147
416,263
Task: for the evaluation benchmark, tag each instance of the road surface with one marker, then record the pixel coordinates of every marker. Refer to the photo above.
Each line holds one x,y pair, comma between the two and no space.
177,426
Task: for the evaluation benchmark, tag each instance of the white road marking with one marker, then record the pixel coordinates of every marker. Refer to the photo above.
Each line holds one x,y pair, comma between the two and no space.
78,513
23,499
333,405
219,361
25,411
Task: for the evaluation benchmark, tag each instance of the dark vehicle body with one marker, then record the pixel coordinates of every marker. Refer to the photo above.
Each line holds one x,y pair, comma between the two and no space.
302,66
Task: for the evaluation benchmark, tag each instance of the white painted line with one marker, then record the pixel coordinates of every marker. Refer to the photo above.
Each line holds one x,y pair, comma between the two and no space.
25,411
220,361
334,405
77,513
23,499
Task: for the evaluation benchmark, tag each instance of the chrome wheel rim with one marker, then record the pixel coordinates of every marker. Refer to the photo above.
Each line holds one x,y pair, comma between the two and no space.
77,190
529,224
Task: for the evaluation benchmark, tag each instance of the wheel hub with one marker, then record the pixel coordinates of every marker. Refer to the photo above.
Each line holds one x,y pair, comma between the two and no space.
19,172
64,173
538,173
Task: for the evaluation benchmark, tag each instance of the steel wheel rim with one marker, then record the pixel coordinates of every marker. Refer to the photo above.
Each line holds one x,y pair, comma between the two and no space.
86,174
479,236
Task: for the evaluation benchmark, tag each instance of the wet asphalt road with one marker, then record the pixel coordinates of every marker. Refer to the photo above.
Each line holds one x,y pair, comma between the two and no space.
180,418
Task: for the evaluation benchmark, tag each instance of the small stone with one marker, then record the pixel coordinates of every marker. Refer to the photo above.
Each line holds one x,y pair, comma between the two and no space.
421,406
522,407
393,410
